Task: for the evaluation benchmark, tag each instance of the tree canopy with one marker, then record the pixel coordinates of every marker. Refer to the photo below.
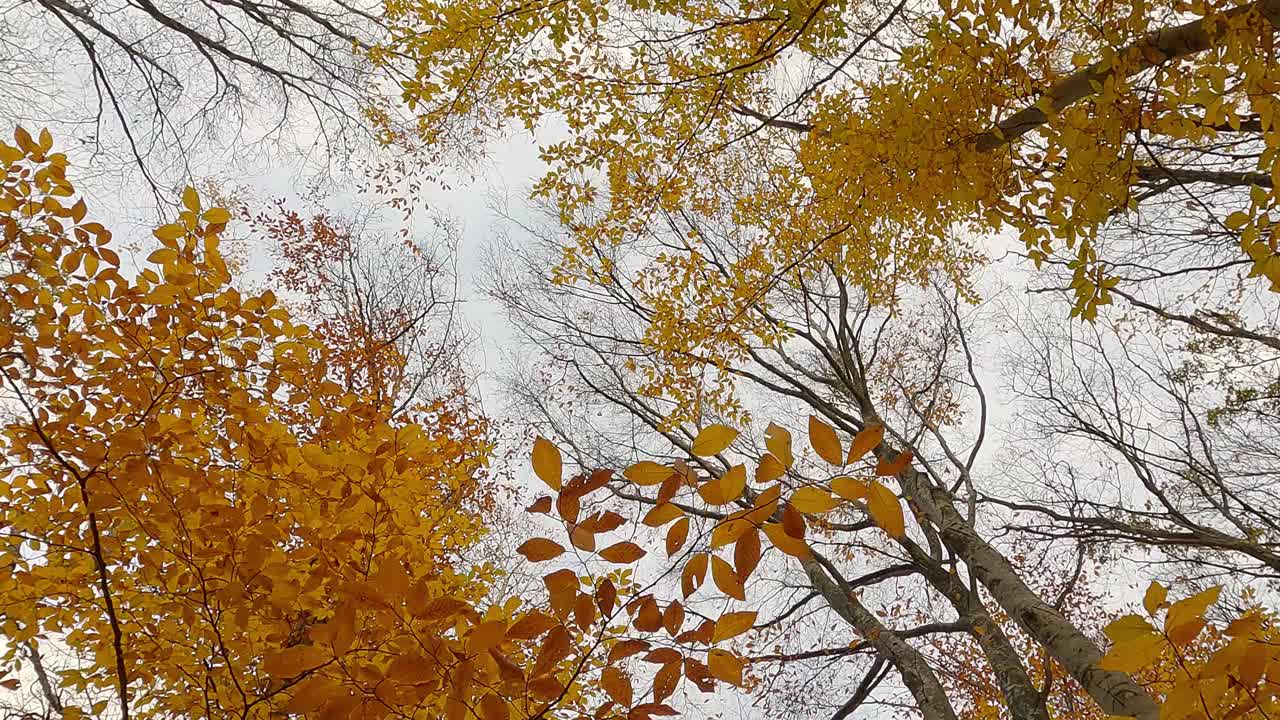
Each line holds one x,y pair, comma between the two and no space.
884,358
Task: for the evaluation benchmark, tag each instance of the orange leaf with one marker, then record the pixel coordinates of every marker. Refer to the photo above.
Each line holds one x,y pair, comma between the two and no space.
531,626
295,660
895,466
824,440
731,625
726,488
864,442
746,554
885,509
493,707
726,579
693,574
563,588
623,553
676,536
540,549
713,439
556,647
486,635
546,463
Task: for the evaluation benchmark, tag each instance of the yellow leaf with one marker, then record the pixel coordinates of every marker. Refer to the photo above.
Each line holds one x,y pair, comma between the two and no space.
294,661
1133,655
731,625
172,231
662,514
217,216
864,442
1128,629
713,439
778,442
647,472
486,635
190,199
723,665
812,500
769,469
547,463
825,442
1185,618
849,489
885,509
1154,598
1237,220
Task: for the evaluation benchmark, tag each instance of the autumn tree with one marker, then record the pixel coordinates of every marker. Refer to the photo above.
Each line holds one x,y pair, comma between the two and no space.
881,139
901,393
195,507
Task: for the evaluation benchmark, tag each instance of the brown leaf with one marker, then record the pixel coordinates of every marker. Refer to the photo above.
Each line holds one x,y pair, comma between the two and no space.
540,549
606,596
673,618
623,553
746,554
648,618
617,685
664,683
626,648
676,535
556,647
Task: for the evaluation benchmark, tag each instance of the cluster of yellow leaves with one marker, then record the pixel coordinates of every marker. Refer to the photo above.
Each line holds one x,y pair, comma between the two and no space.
1237,676
206,519
889,171
741,514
